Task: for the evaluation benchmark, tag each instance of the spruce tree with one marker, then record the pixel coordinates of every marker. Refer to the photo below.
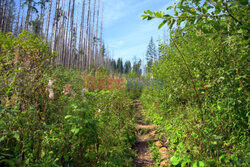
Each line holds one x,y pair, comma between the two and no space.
151,55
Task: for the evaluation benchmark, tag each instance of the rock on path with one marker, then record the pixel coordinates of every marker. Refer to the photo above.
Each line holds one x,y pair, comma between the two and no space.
146,133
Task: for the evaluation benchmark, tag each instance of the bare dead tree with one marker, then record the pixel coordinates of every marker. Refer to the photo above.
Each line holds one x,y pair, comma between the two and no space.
91,35
96,35
86,37
3,16
55,25
18,18
48,21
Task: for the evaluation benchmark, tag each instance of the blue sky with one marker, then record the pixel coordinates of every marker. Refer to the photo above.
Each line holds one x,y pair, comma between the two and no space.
125,33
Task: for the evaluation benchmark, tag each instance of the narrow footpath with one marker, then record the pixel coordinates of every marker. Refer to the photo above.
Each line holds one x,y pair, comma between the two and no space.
147,134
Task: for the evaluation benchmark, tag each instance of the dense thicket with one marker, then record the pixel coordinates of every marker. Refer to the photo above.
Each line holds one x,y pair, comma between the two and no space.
203,105
46,119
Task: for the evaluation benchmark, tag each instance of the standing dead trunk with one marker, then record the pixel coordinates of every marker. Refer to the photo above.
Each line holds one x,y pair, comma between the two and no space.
86,37
18,17
48,21
66,43
55,25
3,16
92,34
42,16
96,35
28,14
100,45
81,52
71,34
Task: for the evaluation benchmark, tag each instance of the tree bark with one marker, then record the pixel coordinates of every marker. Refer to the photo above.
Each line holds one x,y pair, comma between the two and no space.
18,17
3,16
55,25
86,37
48,21
97,40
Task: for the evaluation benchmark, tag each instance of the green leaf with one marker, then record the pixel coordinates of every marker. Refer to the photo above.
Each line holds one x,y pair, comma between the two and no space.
162,14
201,164
162,24
175,160
219,107
240,31
75,130
158,14
170,7
68,116
243,2
221,158
149,12
16,135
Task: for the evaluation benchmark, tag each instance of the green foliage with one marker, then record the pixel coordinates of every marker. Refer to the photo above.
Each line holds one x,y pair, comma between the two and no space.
137,68
66,129
127,67
204,102
120,66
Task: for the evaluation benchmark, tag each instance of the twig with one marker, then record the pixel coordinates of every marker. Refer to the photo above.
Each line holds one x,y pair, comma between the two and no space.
231,14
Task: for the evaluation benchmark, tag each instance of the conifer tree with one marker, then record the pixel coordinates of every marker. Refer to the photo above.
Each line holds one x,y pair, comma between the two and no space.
151,55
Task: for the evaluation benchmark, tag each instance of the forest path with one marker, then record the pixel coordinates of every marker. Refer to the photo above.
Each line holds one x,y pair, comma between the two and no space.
145,134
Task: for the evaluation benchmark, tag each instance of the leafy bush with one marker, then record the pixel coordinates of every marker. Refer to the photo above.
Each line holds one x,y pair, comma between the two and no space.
204,102
43,125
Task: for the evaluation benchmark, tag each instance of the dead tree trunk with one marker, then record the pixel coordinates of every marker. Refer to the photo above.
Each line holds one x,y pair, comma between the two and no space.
18,17
55,25
48,21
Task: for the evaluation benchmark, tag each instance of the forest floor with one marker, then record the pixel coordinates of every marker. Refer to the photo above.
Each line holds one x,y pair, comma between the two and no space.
147,134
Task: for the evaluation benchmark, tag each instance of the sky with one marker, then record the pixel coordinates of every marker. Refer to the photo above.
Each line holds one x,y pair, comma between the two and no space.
126,35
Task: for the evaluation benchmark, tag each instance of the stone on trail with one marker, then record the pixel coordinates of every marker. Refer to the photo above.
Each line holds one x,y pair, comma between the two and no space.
158,144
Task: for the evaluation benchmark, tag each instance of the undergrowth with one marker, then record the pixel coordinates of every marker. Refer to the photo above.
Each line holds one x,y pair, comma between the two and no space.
46,119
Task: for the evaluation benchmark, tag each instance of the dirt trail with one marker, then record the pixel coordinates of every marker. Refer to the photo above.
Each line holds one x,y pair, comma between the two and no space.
148,133
145,133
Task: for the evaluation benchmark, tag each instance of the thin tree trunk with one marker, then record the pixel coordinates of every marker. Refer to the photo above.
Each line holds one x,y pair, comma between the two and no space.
100,46
85,54
62,27
66,58
48,21
42,17
86,37
1,8
21,26
81,34
71,32
28,15
55,25
97,28
92,34
75,40
59,38
3,16
18,17
89,42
